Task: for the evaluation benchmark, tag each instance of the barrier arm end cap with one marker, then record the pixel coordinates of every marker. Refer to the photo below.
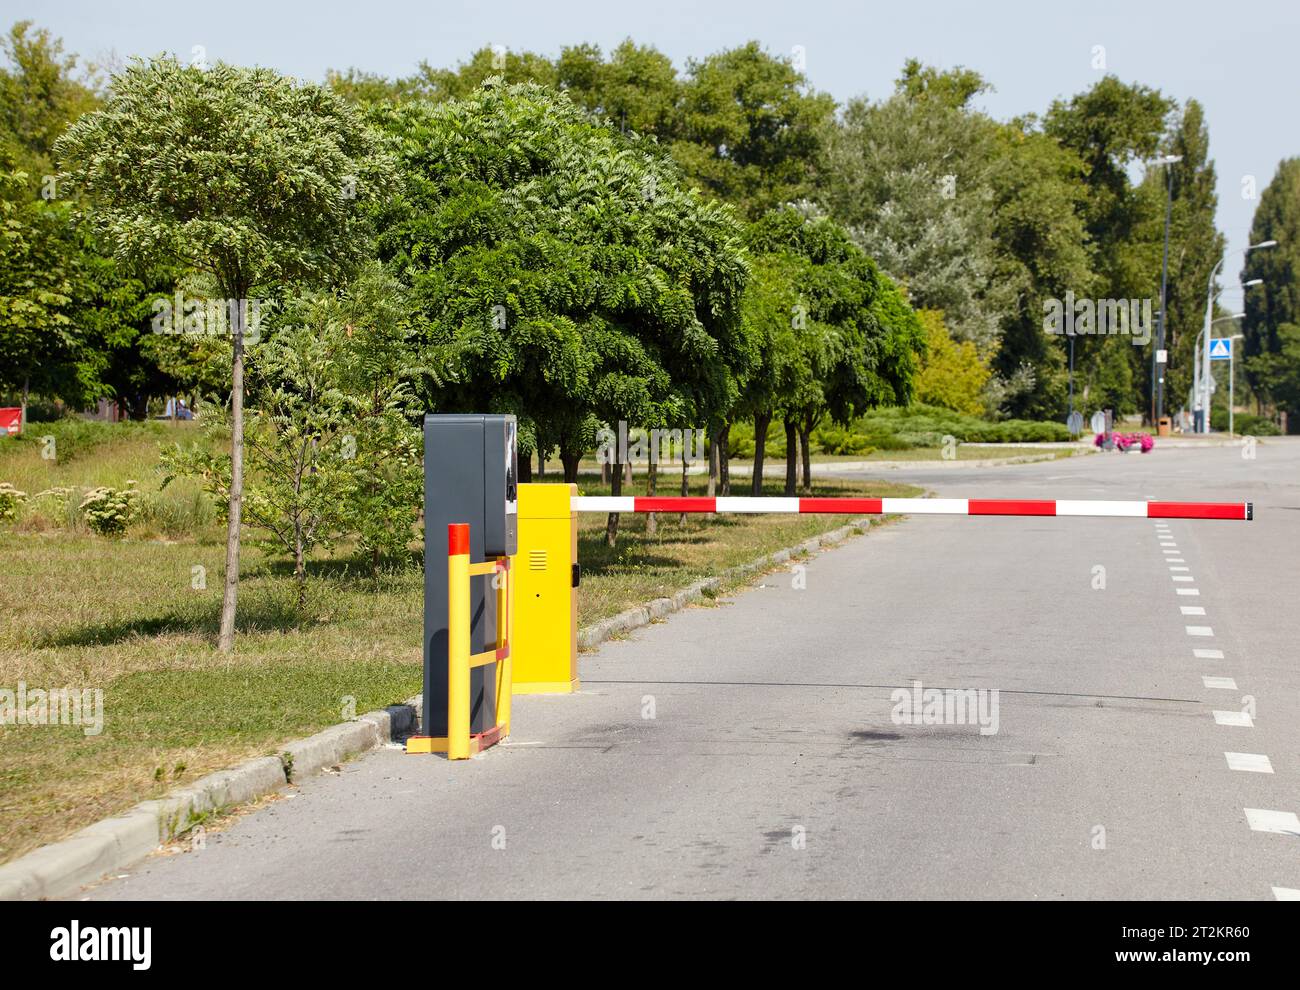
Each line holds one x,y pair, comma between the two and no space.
1250,511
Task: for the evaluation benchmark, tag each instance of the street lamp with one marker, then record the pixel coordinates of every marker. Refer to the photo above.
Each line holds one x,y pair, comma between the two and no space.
1157,371
1203,379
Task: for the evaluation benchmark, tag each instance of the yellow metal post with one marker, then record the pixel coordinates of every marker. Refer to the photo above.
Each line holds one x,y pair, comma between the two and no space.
544,643
458,641
505,580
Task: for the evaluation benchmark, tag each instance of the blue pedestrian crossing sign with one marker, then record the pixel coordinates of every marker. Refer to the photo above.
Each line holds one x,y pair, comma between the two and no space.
1220,348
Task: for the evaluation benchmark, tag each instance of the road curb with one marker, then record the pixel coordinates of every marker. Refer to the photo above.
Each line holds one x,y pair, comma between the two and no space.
658,608
116,843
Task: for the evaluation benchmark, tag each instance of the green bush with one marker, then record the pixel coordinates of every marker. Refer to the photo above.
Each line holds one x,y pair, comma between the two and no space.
109,511
10,500
1246,424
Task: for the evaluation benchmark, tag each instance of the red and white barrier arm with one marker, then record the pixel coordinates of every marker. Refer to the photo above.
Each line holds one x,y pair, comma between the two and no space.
916,506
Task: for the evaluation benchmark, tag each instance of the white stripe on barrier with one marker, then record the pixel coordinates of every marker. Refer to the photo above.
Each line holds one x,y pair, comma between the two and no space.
736,503
1099,507
938,506
605,503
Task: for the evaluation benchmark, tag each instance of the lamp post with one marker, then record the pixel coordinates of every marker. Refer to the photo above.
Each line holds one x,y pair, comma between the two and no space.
1203,385
1157,366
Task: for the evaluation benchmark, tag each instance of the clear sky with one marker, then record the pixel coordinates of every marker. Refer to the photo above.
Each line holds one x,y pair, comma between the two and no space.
1238,59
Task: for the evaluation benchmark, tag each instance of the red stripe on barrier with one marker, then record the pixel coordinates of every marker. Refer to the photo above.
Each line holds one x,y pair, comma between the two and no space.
835,505
457,539
1196,510
645,503
1011,507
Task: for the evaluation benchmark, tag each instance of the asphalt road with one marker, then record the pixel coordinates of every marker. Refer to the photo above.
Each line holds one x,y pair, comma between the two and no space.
753,750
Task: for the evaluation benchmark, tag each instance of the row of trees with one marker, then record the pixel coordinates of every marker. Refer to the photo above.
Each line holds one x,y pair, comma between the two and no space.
579,241
980,219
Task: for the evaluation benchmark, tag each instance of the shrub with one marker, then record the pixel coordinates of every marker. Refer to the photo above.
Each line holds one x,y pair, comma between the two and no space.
952,374
109,511
10,500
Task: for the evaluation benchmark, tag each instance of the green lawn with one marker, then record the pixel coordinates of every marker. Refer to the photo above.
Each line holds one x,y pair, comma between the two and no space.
124,616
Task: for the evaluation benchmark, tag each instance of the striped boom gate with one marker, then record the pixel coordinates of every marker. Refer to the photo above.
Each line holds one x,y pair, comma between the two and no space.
536,652
920,506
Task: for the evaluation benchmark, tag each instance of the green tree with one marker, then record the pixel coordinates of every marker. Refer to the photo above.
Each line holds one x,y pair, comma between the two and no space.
751,129
559,268
1273,309
636,89
911,177
1195,244
40,348
952,374
41,93
374,367
1110,127
840,337
242,174
1042,252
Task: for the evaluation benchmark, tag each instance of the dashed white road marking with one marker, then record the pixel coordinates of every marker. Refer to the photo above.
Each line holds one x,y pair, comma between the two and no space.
1188,591
1282,822
1242,719
1208,654
1286,893
1164,543
1176,568
1249,762
1175,560
1191,610
1168,552
1227,683
1181,577
1200,630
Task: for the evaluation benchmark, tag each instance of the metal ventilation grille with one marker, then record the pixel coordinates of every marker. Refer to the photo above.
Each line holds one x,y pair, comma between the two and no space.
537,560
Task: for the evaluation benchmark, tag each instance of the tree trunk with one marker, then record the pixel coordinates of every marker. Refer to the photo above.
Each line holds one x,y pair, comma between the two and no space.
22,415
525,469
541,463
791,457
686,485
299,568
570,460
226,635
712,488
616,489
761,424
724,459
651,478
805,437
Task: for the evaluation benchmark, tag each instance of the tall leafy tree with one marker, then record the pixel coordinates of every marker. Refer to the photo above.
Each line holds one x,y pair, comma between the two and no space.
558,267
1272,322
1042,252
242,174
911,176
1110,127
1195,243
751,128
42,91
848,340
636,89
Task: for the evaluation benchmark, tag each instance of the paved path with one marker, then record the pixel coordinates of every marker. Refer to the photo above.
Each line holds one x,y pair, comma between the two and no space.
751,749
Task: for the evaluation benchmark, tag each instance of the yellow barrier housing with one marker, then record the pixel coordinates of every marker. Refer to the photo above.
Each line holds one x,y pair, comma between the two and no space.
545,647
